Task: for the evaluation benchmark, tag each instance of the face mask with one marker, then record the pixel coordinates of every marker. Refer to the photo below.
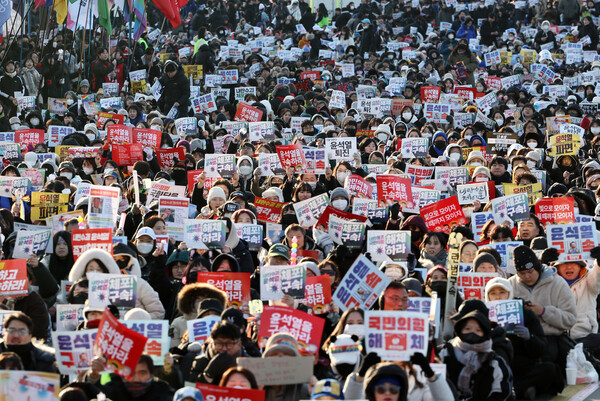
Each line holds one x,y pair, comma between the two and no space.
70,101
341,177
88,170
426,135
122,264
79,298
441,145
136,389
455,156
407,116
499,122
340,204
245,170
338,77
471,338
145,248
356,329
288,219
545,28
351,131
451,37
468,137
91,137
67,175
532,145
439,287
344,369
481,179
530,164
35,121
15,126
476,164
382,137
595,130
313,185
156,127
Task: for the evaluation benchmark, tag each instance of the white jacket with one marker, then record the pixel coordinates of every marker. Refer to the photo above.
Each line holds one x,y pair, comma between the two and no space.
586,290
146,298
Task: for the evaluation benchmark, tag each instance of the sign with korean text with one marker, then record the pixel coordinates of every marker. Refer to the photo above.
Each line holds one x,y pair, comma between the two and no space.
74,350
443,215
252,234
31,242
291,156
358,186
157,333
512,208
394,188
283,370
470,193
236,285
305,328
261,130
430,94
340,148
277,281
472,285
30,136
361,285
349,233
316,160
229,393
388,245
419,173
166,157
13,278
161,188
507,313
267,210
119,134
56,133
174,211
116,289
573,241
309,210
245,112
199,329
128,154
564,144
396,335
147,137
555,210
318,293
68,316
203,234
91,238
414,147
46,204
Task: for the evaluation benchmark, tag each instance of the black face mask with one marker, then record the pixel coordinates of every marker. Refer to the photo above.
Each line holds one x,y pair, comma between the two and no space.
471,338
439,287
79,298
351,131
122,264
344,369
440,145
288,219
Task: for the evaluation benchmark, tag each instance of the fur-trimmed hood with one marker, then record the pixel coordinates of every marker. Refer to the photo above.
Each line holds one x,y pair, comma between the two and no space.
78,270
186,298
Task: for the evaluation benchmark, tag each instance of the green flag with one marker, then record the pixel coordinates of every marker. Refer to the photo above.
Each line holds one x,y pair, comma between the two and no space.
104,15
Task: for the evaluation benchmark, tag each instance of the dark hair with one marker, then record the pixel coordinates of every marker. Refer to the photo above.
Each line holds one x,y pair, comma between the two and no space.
147,360
243,371
501,231
73,394
491,251
82,282
100,263
101,50
464,230
341,325
11,361
225,329
499,160
151,221
441,237
302,186
21,317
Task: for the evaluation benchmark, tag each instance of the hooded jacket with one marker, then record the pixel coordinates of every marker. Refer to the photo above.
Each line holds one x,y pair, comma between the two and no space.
147,298
434,151
586,289
176,89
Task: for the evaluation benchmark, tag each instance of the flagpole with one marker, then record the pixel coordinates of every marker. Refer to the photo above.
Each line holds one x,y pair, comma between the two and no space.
84,29
12,29
22,31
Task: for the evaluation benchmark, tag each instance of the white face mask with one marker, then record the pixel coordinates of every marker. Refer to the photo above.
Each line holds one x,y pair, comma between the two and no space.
595,130
145,248
455,156
499,122
530,164
341,177
67,175
407,116
532,144
340,204
91,137
70,101
468,137
245,170
476,164
356,329
426,135
313,185
35,121
88,170
481,179
15,126
382,137
156,127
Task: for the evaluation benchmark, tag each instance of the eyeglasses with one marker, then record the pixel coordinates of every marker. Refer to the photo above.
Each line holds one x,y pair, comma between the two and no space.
391,388
220,345
13,331
328,272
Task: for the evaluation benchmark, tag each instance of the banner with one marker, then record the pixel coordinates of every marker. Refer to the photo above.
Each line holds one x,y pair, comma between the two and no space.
278,281
74,350
396,335
116,289
236,285
472,285
204,234
199,329
443,215
13,278
555,210
306,329
361,285
166,157
291,156
573,241
388,245
121,346
392,188
309,210
226,393
91,238
267,210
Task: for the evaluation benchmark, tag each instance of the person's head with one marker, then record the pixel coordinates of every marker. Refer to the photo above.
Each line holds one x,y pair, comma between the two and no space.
295,231
473,328
485,263
10,361
433,243
170,68
327,389
18,329
157,224
527,265
501,233
226,338
395,297
570,271
144,240
177,263
530,228
142,376
96,266
278,255
468,250
386,381
498,289
216,198
102,53
238,377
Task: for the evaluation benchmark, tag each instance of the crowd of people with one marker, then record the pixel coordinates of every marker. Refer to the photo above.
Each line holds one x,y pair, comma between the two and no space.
503,94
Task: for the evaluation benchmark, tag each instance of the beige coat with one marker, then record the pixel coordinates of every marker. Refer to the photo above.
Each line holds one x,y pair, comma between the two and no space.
586,290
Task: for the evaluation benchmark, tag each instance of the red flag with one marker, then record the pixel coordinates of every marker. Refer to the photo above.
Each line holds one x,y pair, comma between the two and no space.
170,10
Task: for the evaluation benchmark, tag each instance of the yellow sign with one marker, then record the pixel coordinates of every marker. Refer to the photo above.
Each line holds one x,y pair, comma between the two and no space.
193,71
564,144
46,204
529,56
533,191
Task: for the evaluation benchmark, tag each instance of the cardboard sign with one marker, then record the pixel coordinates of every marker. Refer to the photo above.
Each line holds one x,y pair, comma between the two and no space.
31,242
394,188
44,204
245,112
236,285
573,241
225,393
470,193
358,186
305,328
204,234
30,136
74,350
157,333
68,316
91,238
443,215
555,210
396,335
388,245
361,285
121,346
564,144
119,134
472,285
13,278
278,281
199,329
291,156
268,211
512,208
117,289
283,370
341,148
166,157
127,155
309,210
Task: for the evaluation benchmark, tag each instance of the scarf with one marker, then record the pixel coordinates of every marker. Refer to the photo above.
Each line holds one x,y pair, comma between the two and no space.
439,259
470,356
137,389
12,74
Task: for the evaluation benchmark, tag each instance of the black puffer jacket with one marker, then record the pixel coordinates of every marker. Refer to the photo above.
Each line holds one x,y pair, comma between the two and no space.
176,89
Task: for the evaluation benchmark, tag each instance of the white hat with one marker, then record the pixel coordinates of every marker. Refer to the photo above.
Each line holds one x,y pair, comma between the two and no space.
146,231
482,170
30,159
475,154
498,282
216,192
273,191
137,314
344,349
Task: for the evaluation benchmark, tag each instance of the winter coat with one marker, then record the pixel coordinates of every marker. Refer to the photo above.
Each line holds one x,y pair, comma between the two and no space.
206,58
146,299
528,352
569,9
466,32
100,71
586,289
115,390
38,360
553,293
176,89
32,80
33,306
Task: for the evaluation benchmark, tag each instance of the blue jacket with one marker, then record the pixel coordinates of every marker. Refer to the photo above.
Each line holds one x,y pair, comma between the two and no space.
466,32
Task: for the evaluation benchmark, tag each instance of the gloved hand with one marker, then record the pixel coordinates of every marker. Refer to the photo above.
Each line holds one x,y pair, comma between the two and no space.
218,365
595,253
551,254
411,262
323,240
522,332
149,153
368,361
395,211
419,359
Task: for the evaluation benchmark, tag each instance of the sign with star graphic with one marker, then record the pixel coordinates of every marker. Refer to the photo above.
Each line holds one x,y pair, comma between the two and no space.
116,289
204,234
361,285
277,281
511,208
349,233
31,242
388,245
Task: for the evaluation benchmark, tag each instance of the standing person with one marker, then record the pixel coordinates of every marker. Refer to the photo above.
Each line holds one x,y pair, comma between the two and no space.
101,69
462,53
11,87
32,79
176,92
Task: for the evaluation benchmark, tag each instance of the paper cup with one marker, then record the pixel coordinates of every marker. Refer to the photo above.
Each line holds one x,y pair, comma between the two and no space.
571,376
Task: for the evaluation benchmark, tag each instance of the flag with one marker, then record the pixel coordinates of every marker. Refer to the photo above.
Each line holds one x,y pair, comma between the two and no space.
170,10
104,15
5,10
39,3
61,11
139,10
78,15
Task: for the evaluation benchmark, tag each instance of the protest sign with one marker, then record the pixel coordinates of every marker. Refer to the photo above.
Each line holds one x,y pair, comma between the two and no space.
470,193
443,215
174,211
128,154
13,278
228,393
472,285
56,133
157,333
291,156
396,335
30,136
91,238
203,103
186,126
267,210
166,157
283,370
349,233
361,285
388,245
358,186
241,92
262,130
341,148
162,188
394,188
245,112
305,328
512,208
9,185
199,329
507,313
419,173
16,385
478,220
555,210
414,148
430,94
121,346
148,137
103,117
316,160
564,144
119,134
82,151
252,234
204,234
318,293
277,281
46,204
31,242
236,285
74,351
573,241
437,113
116,289
309,210
505,249
68,316
103,206
37,177
323,222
